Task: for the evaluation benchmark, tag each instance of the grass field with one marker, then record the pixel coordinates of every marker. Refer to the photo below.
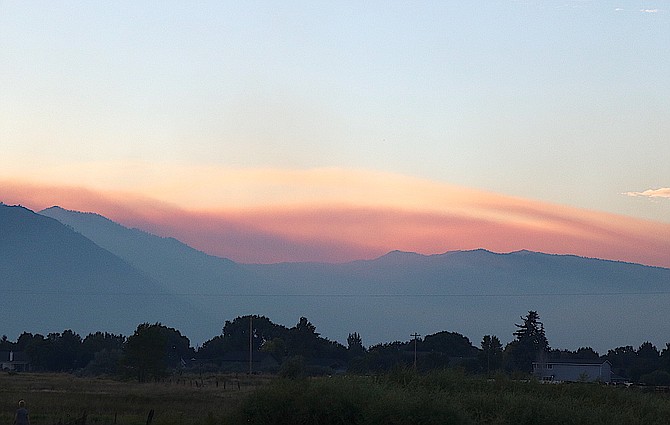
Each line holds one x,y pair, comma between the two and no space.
62,397
447,397
400,397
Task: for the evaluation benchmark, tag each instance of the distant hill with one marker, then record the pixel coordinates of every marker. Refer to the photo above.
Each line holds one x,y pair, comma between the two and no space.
53,278
176,265
582,301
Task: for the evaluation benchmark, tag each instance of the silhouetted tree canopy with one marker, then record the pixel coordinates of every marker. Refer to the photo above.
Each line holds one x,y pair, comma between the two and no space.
491,355
451,344
153,348
355,345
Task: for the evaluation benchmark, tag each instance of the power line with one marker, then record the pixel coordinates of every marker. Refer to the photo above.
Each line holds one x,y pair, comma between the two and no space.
326,295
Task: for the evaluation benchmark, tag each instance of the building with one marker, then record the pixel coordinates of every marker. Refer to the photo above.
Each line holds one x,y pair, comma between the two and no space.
573,371
15,361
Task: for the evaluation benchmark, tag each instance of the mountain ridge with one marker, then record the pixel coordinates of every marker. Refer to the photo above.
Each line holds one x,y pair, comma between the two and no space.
59,212
475,292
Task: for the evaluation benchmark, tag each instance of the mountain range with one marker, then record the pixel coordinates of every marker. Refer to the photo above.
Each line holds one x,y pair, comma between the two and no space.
63,269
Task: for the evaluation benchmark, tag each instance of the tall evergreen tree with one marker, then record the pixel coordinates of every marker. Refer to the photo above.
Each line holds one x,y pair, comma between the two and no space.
530,333
530,344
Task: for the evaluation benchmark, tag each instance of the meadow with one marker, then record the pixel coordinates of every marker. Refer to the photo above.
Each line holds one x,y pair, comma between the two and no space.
398,397
184,399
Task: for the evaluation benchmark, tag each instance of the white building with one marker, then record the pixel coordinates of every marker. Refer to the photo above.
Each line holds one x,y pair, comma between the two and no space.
573,370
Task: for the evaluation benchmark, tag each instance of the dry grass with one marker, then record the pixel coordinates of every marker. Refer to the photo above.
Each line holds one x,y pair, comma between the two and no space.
176,400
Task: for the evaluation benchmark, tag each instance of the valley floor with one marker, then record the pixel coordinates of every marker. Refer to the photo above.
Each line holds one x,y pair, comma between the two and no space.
399,397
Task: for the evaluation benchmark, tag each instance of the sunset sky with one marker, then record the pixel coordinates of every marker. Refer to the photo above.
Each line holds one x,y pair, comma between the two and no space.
333,131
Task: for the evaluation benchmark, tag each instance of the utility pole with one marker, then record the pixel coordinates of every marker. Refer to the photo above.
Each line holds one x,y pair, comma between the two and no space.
251,342
415,336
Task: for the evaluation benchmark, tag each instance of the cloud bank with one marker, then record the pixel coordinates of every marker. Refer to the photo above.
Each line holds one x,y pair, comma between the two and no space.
334,215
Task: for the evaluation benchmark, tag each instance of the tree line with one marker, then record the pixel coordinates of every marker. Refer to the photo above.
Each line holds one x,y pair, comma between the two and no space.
154,351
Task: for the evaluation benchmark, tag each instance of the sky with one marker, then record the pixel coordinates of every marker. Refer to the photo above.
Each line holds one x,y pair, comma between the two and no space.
332,131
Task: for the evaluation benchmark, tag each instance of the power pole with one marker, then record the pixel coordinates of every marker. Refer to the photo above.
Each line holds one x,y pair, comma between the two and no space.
251,342
415,336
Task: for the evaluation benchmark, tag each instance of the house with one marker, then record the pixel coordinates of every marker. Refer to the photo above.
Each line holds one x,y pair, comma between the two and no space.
573,371
15,361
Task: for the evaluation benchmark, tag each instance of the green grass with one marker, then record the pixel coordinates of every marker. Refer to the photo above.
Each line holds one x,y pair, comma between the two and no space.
446,397
399,397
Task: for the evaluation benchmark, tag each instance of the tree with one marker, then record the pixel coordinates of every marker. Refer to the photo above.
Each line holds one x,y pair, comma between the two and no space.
530,343
622,360
35,347
6,345
65,351
236,333
56,353
586,353
212,349
530,333
491,356
665,357
145,352
647,360
303,339
355,345
99,341
276,347
105,362
451,344
383,357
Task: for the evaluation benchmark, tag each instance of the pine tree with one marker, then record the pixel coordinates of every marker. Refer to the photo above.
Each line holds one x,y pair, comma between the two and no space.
530,345
530,334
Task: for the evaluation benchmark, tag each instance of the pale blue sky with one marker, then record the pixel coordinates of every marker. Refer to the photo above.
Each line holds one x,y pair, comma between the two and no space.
563,101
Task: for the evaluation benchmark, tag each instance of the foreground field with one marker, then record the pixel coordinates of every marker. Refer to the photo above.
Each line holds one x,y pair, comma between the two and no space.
448,397
183,400
401,397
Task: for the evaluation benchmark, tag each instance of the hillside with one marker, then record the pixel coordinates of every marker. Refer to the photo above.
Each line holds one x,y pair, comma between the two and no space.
53,278
179,267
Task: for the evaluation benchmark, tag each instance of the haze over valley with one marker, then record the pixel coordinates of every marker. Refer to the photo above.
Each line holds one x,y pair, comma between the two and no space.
86,272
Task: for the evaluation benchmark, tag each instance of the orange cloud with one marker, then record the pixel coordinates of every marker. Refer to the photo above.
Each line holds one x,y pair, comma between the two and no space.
354,221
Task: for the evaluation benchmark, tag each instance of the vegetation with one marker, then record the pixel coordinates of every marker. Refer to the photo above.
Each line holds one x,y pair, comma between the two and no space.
445,397
186,399
155,351
401,396
404,397
115,379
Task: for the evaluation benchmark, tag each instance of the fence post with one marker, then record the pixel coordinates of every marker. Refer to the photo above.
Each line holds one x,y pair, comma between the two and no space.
150,418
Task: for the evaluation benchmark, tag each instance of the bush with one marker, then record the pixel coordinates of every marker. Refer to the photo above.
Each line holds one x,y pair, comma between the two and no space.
293,368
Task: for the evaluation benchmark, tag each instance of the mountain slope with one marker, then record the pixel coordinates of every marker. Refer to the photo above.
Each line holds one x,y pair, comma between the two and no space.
53,278
212,285
179,267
